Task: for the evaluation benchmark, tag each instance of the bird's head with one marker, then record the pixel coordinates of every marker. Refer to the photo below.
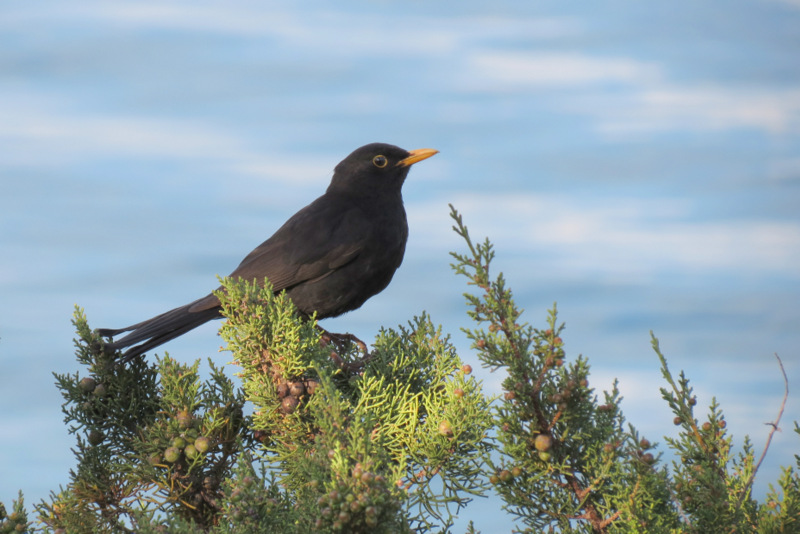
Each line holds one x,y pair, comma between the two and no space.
376,169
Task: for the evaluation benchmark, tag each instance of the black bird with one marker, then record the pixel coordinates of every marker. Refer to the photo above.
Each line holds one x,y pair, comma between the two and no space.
329,257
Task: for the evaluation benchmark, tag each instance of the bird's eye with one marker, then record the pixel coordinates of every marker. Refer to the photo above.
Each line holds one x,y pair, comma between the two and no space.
380,161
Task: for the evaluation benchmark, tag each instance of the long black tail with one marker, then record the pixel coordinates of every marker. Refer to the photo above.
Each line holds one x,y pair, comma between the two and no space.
158,330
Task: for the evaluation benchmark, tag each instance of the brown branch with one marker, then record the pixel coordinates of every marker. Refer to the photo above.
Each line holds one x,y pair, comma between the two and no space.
342,342
590,511
677,502
775,428
613,517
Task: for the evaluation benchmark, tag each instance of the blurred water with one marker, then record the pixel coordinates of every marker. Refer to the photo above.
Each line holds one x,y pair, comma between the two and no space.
637,163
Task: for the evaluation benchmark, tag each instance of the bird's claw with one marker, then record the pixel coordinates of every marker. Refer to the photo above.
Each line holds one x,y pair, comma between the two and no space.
342,342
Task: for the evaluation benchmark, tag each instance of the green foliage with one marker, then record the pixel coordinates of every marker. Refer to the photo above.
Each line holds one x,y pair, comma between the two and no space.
150,439
781,511
315,434
565,460
711,484
324,412
17,520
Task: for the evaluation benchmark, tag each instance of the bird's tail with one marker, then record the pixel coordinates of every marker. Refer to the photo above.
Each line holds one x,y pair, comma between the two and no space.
158,330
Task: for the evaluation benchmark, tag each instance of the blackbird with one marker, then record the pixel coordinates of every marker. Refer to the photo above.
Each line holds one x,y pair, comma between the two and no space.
329,257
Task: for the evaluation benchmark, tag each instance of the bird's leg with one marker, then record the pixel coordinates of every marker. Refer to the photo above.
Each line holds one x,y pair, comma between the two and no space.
341,341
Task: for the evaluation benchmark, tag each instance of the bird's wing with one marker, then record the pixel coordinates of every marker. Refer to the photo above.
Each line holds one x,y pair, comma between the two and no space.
316,241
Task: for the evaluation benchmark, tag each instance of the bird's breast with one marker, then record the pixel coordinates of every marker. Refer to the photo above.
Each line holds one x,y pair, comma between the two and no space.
380,252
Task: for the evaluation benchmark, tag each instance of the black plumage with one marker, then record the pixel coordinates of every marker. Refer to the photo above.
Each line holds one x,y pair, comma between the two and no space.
329,257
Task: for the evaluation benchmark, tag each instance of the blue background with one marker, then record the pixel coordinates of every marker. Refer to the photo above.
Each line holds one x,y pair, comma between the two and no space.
638,163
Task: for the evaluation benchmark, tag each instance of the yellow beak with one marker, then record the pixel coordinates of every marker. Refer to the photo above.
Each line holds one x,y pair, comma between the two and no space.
417,155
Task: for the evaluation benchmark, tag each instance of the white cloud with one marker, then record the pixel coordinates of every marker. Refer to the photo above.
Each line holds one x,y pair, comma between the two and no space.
776,111
749,395
627,238
159,15
37,124
78,135
646,99
793,3
784,170
40,131
284,169
515,70
336,32
462,53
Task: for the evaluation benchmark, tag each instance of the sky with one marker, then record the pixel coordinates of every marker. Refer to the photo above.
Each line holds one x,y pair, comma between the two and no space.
637,163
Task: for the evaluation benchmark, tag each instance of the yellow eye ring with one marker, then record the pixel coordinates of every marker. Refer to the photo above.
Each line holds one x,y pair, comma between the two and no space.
380,161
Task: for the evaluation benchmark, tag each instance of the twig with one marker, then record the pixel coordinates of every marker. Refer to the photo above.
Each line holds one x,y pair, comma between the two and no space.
342,341
681,513
775,428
